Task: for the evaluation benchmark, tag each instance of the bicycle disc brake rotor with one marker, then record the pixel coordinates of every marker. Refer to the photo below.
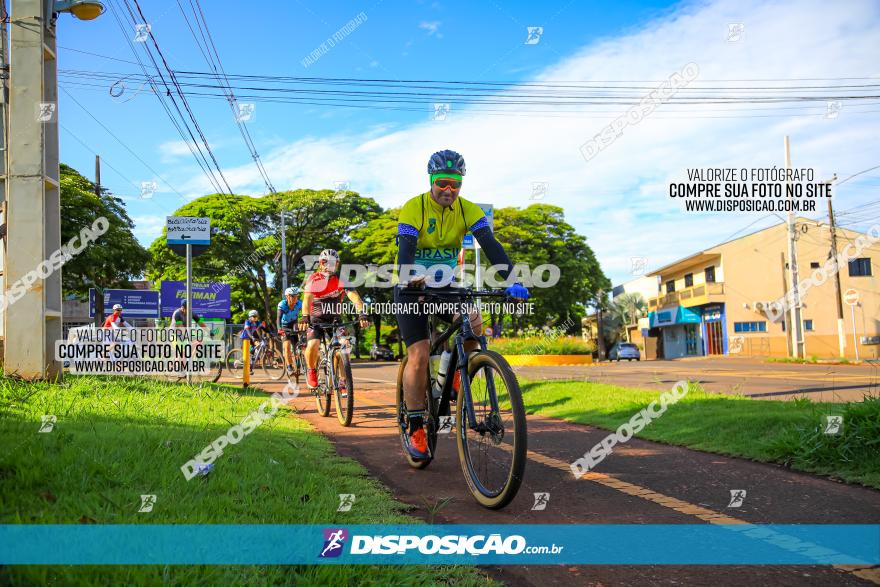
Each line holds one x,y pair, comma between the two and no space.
493,426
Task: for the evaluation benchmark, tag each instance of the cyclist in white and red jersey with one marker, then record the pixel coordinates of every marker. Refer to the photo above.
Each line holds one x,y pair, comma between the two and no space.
322,298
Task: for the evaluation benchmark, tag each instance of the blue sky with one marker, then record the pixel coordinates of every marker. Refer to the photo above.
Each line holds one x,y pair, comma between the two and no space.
617,199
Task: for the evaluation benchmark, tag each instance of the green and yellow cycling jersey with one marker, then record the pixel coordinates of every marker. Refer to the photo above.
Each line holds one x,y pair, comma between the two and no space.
439,229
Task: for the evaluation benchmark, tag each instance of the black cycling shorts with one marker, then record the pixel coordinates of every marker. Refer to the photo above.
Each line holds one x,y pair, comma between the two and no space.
414,325
291,332
317,328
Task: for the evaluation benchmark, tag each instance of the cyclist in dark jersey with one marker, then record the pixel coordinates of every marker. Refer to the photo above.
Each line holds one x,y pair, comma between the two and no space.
178,318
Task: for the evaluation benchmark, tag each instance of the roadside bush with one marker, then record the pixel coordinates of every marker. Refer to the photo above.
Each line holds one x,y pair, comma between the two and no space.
537,345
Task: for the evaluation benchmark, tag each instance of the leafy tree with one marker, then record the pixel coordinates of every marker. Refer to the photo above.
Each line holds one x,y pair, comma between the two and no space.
376,243
116,257
540,235
626,309
245,244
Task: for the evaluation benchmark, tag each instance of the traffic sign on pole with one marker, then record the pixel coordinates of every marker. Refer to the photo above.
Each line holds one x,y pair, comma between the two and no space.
489,210
851,297
187,230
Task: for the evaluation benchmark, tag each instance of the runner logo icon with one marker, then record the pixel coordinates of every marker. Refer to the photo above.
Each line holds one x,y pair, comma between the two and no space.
334,541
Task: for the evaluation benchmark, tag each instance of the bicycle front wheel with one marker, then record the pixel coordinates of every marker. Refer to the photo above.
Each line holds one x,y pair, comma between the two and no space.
234,362
273,363
344,388
492,449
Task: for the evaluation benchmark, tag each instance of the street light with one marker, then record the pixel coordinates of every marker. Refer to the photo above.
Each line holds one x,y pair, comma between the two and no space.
81,9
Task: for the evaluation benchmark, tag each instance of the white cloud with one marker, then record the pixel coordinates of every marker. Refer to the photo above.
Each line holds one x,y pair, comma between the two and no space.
172,150
432,27
148,227
618,199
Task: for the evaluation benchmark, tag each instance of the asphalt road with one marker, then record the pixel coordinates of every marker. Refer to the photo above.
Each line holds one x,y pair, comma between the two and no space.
640,482
750,377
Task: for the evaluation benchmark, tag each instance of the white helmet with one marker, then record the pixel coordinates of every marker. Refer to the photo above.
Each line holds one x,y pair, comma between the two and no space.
328,254
291,291
117,306
253,314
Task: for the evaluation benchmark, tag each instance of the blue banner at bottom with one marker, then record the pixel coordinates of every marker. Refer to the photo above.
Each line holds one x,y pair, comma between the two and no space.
741,544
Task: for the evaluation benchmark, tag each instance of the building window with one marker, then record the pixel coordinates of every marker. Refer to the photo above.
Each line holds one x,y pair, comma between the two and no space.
814,264
808,325
670,286
688,279
710,274
760,326
860,267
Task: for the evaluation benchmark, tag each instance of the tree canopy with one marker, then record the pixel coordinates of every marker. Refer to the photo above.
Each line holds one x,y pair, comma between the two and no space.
116,257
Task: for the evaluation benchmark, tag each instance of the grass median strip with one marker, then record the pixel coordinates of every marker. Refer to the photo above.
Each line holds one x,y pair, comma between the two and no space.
792,433
113,440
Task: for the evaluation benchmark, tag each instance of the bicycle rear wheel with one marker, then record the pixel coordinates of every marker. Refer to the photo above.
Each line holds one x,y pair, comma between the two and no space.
492,450
344,389
403,425
322,392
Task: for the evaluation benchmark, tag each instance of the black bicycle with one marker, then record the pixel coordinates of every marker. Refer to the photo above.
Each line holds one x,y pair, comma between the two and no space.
489,421
334,372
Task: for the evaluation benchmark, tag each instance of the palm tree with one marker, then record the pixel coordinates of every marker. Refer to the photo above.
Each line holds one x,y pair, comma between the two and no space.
628,308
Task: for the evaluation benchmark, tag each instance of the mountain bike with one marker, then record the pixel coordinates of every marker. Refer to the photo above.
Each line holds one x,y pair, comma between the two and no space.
298,367
264,354
215,368
334,372
489,422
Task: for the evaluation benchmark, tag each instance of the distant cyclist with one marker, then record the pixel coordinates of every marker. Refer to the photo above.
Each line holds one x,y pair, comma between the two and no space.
430,230
178,318
288,313
254,330
115,320
322,295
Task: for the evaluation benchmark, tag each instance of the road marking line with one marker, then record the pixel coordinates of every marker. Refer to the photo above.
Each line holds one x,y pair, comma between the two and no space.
707,515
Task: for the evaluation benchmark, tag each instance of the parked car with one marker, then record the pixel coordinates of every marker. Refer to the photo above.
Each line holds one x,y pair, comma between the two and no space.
624,350
381,352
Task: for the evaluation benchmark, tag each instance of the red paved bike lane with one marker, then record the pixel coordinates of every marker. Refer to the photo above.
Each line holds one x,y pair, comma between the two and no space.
642,482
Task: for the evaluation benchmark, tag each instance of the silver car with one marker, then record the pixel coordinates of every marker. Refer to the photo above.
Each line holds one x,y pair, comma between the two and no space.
624,350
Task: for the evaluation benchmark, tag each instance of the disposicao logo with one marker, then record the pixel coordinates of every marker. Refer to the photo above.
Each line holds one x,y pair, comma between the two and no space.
334,541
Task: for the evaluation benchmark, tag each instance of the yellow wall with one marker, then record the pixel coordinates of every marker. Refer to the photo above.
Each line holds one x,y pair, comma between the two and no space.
751,271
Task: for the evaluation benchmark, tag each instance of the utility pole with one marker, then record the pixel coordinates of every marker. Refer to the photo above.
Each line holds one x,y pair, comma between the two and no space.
99,291
4,103
786,323
600,339
841,335
33,214
283,252
797,341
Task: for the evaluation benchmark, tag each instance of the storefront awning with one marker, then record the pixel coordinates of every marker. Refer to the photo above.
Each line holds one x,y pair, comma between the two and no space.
673,316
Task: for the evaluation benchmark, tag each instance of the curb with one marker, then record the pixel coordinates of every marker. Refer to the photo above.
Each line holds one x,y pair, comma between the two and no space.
548,360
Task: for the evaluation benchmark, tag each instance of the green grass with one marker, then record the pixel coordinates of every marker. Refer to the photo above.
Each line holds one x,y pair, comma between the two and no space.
786,432
118,438
536,345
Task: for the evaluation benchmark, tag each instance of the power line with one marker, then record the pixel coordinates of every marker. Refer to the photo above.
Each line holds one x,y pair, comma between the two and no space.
121,142
212,57
179,90
178,125
103,160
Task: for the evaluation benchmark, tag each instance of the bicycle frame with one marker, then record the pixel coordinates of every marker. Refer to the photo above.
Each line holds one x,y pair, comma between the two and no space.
458,362
329,347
